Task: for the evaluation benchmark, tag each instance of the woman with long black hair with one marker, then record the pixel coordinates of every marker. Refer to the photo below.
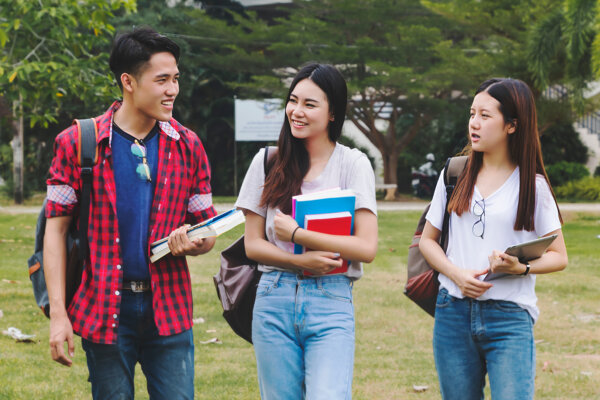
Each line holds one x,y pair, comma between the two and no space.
303,326
502,198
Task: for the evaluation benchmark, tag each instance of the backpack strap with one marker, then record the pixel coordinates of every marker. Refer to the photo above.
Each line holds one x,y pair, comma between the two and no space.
452,170
87,156
267,158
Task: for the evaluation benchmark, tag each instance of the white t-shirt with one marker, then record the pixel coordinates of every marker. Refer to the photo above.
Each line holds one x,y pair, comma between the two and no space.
468,251
347,168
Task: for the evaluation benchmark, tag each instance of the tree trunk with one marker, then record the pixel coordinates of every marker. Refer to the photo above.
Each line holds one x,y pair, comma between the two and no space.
18,154
390,173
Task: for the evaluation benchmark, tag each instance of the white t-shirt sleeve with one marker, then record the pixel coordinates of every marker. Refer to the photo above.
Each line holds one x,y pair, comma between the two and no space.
252,187
435,215
546,212
361,180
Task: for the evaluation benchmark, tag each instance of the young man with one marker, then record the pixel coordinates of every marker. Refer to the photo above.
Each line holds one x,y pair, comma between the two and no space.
151,178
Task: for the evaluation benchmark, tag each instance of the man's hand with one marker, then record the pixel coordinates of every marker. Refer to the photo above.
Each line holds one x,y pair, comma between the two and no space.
61,331
181,245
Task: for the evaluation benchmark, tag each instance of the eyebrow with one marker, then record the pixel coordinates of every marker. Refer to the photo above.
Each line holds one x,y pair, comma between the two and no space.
306,100
165,75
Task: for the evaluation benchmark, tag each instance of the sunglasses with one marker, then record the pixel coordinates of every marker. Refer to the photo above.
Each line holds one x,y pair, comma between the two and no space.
138,149
478,228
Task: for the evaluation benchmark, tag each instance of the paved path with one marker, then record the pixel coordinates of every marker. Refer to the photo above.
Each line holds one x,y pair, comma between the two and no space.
381,205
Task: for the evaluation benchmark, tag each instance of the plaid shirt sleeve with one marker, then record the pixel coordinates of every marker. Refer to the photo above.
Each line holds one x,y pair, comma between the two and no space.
64,176
200,205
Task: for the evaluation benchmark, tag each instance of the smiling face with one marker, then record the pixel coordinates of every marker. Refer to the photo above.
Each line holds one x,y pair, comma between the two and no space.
154,88
307,111
487,128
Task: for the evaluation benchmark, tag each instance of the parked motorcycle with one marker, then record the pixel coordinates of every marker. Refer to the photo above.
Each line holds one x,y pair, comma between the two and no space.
424,178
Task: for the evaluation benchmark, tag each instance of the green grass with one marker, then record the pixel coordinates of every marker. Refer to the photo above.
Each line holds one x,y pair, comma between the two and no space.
393,337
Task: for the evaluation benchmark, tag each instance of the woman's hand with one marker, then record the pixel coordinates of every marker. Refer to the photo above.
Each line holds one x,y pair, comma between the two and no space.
503,263
320,262
284,226
467,282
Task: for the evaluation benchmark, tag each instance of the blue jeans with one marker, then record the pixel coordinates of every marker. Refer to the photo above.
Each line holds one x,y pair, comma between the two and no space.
167,361
303,334
472,338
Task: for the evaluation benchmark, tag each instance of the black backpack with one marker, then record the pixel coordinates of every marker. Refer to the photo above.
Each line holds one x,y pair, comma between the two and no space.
77,241
422,283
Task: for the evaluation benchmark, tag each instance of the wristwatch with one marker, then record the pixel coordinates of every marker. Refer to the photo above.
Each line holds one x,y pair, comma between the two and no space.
527,267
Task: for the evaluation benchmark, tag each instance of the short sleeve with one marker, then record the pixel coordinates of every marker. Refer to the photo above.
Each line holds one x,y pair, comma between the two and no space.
63,183
546,211
435,215
361,180
252,186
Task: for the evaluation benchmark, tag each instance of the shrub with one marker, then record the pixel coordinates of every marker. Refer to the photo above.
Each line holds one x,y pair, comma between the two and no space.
563,172
584,189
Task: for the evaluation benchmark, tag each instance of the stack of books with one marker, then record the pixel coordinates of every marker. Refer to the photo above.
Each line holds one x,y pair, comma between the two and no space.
330,211
209,228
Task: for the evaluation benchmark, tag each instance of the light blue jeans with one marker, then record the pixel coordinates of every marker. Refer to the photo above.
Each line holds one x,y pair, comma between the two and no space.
303,335
472,337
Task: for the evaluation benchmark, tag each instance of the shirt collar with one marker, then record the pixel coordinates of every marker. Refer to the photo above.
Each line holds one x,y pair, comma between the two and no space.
107,132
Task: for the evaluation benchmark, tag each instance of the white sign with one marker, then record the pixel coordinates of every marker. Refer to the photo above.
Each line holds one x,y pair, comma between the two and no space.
258,120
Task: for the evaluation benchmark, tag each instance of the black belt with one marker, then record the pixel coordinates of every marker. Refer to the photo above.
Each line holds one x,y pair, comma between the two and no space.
136,286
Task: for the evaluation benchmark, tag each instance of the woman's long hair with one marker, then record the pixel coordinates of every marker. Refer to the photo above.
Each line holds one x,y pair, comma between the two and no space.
517,106
288,168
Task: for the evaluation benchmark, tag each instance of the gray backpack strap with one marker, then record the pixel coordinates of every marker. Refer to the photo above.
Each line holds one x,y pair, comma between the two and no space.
454,167
87,157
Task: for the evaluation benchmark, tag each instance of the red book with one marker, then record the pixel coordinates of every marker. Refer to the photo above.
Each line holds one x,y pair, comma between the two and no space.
338,223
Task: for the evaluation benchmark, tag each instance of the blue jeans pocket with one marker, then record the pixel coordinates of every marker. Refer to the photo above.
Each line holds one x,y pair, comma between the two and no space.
508,306
341,290
264,288
443,299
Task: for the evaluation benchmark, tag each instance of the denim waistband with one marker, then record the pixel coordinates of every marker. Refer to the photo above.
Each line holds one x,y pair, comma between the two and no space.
290,277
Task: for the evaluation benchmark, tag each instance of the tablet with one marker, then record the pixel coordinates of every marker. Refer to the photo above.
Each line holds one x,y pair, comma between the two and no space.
525,252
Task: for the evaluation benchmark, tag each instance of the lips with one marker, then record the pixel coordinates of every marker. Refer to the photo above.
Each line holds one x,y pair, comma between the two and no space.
298,124
474,137
167,103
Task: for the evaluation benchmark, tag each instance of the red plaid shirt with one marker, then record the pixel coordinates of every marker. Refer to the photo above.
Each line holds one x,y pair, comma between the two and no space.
182,196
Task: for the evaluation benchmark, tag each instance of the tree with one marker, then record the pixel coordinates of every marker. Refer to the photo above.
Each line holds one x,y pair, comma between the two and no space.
403,63
49,51
567,34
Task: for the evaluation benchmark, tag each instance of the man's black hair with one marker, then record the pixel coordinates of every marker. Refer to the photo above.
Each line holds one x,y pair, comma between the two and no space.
131,50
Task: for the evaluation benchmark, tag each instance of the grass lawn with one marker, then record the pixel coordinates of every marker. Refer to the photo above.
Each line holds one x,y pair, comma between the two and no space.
393,337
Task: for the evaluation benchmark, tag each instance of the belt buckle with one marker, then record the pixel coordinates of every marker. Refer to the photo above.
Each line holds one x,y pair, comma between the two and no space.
138,286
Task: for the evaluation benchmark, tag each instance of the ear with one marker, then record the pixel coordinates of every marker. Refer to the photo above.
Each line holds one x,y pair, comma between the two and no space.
331,117
127,81
512,127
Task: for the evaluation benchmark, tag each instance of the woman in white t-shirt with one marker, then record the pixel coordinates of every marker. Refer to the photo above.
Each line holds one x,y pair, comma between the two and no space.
303,326
502,198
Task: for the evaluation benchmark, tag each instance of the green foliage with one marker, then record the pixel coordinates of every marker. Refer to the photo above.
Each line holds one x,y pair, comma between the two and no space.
563,48
49,51
564,172
560,142
585,189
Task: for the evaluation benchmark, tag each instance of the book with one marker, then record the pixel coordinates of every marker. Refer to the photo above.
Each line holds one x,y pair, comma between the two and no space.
209,228
338,223
326,201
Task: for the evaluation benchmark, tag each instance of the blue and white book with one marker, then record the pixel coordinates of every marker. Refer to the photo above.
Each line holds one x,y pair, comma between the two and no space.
326,201
211,227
